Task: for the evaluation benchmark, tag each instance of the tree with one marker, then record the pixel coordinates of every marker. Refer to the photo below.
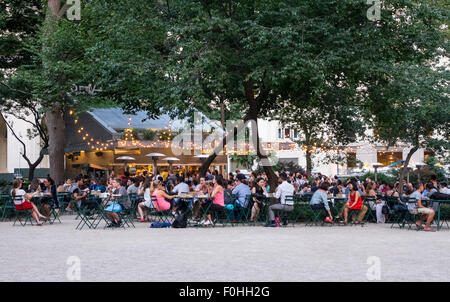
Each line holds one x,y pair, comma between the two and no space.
414,109
259,55
19,21
20,104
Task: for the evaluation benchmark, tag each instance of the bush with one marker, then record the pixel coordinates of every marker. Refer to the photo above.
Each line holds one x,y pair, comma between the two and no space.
148,134
380,177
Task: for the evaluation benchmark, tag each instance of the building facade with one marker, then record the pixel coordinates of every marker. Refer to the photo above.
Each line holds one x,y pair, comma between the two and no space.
11,150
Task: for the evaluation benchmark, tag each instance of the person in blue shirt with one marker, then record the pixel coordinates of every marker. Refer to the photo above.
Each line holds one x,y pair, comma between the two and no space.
241,191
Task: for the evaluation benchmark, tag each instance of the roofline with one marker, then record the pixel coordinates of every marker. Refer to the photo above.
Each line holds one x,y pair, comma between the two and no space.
102,122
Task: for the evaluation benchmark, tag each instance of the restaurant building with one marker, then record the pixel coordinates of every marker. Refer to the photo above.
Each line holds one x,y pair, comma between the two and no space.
98,141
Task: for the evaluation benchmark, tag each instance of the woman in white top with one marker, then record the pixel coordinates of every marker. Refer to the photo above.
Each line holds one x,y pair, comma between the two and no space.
22,201
145,189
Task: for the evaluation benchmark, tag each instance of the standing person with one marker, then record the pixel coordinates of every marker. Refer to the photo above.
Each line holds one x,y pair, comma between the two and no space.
22,201
426,213
319,201
217,196
259,192
283,190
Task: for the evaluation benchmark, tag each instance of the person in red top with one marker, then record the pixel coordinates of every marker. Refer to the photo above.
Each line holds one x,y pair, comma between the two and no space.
354,203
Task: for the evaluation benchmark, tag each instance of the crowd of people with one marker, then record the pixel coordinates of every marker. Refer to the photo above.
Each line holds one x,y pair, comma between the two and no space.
213,193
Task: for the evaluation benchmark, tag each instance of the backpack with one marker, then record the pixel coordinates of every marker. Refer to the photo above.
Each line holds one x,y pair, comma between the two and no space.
180,221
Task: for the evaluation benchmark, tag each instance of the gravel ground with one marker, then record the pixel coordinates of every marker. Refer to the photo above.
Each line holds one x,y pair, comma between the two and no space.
242,253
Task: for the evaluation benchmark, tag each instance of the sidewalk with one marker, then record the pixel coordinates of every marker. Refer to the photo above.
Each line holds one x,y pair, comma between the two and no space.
222,254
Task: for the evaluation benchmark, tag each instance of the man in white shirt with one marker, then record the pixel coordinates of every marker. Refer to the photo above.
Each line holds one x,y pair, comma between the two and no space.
444,189
283,190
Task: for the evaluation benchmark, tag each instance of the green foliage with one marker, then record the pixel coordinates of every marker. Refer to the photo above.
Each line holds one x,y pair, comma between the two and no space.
245,161
380,177
148,134
288,166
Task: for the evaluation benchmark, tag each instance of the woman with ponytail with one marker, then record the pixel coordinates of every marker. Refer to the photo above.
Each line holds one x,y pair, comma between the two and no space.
147,189
22,201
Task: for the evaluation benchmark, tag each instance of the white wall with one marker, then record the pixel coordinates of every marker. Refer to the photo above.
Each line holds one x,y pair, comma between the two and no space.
15,148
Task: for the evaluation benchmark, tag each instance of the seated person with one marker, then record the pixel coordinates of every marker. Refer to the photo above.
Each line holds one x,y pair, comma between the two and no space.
160,194
425,213
147,190
354,202
319,201
259,192
180,188
283,190
241,190
22,201
443,188
49,191
378,204
217,200
118,192
79,191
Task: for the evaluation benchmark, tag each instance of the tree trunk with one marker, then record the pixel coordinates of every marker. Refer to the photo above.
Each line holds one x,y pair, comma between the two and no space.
54,116
309,166
253,115
405,167
31,170
205,165
56,126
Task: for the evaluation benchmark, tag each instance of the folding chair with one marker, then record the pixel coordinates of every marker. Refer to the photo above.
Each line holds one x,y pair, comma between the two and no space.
371,215
7,206
225,216
19,214
316,218
53,216
82,213
396,216
127,214
285,215
162,216
63,201
412,215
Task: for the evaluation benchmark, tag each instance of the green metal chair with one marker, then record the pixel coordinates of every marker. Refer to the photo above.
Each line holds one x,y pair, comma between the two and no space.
7,207
371,215
22,214
161,216
285,216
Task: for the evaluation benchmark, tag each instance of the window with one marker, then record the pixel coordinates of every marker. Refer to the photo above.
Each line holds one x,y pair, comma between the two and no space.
287,133
279,133
388,158
295,133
